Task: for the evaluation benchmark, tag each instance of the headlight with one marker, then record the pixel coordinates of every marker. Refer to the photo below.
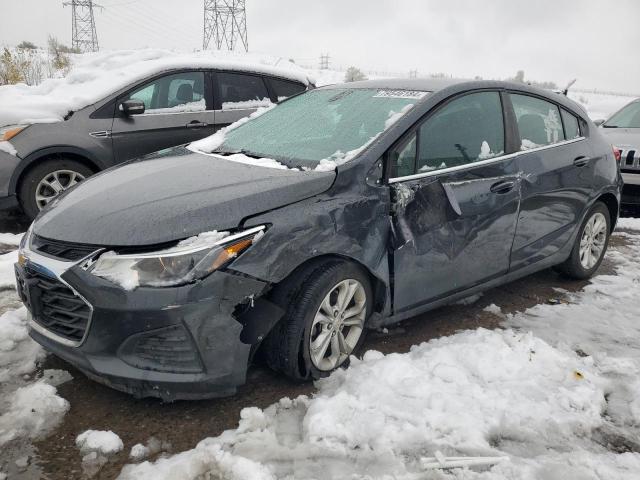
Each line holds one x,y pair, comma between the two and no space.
10,131
189,260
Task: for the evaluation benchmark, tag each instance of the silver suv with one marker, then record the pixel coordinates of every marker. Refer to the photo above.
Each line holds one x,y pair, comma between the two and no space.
170,108
622,129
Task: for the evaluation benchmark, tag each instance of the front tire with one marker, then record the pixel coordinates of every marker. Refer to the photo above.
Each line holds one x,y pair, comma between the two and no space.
324,322
590,245
47,181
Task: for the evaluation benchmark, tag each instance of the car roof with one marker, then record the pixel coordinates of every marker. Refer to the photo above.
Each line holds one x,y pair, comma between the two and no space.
456,85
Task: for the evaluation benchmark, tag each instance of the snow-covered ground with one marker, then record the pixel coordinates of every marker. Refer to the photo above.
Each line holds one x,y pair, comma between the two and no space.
556,391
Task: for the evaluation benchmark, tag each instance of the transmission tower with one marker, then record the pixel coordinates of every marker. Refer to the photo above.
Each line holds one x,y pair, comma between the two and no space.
83,27
413,73
324,61
225,21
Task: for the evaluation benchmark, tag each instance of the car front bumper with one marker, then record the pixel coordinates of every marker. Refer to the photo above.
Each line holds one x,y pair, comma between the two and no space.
173,343
8,165
631,189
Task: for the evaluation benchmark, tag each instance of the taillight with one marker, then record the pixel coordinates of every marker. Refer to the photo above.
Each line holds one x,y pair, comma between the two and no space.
617,153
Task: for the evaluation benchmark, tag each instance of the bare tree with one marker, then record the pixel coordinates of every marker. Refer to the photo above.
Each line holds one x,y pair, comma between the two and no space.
354,74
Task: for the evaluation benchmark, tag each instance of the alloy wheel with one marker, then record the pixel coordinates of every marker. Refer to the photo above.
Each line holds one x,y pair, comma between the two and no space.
594,237
338,324
53,184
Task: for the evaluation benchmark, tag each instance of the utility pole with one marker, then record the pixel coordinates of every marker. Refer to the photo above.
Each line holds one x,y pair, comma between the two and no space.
225,22
324,61
83,26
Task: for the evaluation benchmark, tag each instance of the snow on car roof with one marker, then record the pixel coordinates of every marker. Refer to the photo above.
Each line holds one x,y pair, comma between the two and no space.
97,75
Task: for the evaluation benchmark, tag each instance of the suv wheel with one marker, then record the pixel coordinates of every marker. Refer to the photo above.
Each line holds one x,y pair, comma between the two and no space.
324,322
47,181
590,245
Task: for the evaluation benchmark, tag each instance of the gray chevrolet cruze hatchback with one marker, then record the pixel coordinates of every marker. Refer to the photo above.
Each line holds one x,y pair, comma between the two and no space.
168,108
345,208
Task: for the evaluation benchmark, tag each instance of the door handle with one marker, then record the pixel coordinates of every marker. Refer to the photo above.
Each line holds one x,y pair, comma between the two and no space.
503,187
196,124
581,161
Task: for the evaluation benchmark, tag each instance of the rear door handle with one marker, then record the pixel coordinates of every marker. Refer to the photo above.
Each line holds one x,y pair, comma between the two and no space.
503,187
196,124
581,161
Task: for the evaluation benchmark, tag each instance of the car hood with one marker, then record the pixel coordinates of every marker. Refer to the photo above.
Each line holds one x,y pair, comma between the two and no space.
622,137
170,196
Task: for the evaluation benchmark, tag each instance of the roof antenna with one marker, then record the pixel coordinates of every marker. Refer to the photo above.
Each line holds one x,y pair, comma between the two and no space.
565,91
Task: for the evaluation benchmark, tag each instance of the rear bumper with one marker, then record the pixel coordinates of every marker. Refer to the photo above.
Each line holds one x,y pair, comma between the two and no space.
171,343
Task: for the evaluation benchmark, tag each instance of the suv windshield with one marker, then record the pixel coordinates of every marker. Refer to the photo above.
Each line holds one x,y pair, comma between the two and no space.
628,117
321,124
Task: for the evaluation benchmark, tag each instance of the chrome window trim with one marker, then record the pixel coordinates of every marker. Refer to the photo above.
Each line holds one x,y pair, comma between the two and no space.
489,161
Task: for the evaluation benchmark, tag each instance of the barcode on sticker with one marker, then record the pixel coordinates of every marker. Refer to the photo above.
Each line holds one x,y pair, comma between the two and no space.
412,94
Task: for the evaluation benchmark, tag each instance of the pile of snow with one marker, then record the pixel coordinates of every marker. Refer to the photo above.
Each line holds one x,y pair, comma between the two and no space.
18,353
7,276
96,75
100,441
11,239
560,402
33,411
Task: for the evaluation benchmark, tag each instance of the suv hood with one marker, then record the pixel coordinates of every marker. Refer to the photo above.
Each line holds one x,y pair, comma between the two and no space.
169,196
622,137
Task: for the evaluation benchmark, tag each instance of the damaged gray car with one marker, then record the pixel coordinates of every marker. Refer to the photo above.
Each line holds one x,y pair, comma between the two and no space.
286,237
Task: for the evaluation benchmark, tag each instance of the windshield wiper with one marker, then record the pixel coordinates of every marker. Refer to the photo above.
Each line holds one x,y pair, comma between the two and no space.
242,151
604,125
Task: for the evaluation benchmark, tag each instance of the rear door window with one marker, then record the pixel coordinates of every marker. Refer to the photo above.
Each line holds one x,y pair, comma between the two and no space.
285,89
570,122
242,91
174,93
538,121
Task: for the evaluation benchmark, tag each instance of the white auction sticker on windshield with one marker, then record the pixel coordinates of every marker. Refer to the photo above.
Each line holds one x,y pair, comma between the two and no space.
413,94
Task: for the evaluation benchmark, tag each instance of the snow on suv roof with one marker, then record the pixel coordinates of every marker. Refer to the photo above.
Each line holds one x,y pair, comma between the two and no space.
94,76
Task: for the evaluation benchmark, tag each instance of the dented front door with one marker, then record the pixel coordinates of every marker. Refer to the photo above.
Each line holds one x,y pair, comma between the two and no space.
452,231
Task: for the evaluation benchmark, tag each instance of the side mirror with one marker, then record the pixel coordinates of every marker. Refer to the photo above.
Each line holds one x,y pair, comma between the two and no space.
599,122
132,107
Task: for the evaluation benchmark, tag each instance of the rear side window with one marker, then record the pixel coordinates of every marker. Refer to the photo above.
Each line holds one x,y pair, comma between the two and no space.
177,92
465,130
285,89
240,91
538,121
571,128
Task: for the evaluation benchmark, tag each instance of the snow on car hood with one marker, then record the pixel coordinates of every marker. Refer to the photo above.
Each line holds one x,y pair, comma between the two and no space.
97,75
169,196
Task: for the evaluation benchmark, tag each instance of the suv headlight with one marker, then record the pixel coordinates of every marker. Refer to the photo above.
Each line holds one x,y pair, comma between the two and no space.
189,260
9,131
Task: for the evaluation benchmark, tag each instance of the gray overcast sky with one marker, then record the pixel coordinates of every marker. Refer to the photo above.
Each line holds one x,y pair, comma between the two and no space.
596,41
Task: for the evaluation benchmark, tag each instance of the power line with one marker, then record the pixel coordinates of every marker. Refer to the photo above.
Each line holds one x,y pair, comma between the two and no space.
225,21
83,26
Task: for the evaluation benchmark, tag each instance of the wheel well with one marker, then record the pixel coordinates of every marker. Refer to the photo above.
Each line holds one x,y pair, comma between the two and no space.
611,203
298,275
53,156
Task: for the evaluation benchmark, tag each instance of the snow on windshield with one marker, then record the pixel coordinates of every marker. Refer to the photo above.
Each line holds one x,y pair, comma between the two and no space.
97,75
315,131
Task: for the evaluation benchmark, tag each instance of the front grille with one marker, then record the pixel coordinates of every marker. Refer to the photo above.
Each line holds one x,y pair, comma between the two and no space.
54,305
62,250
630,160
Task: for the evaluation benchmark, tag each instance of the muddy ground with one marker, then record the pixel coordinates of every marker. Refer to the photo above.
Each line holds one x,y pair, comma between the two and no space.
183,424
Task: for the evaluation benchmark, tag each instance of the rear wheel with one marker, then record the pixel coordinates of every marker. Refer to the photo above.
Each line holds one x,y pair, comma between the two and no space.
590,245
324,322
47,181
